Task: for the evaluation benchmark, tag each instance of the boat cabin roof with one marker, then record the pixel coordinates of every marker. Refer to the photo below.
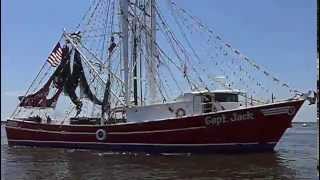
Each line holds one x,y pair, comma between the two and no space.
226,91
189,95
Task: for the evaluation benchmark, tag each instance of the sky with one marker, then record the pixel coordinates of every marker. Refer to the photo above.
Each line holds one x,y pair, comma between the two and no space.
280,35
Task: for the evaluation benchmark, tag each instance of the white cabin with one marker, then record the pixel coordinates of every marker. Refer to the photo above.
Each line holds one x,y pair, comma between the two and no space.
188,104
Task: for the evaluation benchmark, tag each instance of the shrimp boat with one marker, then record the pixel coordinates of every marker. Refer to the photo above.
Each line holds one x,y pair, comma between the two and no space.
122,90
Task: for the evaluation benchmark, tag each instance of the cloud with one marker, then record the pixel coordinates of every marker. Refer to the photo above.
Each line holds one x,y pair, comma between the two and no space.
14,93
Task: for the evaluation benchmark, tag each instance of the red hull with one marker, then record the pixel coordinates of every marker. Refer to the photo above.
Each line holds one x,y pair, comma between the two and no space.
255,129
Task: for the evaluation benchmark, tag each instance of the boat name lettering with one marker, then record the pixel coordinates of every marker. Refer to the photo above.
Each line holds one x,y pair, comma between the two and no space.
221,119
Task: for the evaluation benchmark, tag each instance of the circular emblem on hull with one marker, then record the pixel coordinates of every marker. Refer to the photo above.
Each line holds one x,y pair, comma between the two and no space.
101,134
291,110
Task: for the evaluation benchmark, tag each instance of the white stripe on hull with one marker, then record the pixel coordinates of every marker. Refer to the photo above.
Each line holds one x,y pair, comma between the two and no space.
110,133
290,110
138,144
55,132
157,131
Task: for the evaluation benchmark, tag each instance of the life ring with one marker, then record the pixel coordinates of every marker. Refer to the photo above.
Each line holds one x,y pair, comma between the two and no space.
291,110
180,112
101,134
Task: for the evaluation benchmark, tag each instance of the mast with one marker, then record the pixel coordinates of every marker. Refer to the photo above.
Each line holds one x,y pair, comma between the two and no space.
152,65
124,47
135,65
317,98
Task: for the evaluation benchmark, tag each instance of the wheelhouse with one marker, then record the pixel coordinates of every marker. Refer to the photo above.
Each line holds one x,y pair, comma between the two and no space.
193,103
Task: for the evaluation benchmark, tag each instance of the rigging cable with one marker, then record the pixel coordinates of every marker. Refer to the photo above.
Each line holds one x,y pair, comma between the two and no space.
237,52
181,47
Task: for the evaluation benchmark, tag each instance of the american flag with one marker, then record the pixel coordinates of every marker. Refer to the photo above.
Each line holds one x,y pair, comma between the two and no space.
55,57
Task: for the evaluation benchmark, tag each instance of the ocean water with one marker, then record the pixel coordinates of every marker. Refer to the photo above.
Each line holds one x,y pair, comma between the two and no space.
294,158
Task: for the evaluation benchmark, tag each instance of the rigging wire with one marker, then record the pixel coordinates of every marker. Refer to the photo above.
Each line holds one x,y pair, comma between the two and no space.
181,47
93,41
157,83
17,110
237,52
228,66
147,32
86,14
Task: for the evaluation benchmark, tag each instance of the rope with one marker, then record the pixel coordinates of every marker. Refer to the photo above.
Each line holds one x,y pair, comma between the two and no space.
180,46
235,51
29,88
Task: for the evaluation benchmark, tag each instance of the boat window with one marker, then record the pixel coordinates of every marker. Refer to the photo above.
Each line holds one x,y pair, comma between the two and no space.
206,98
206,103
226,97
